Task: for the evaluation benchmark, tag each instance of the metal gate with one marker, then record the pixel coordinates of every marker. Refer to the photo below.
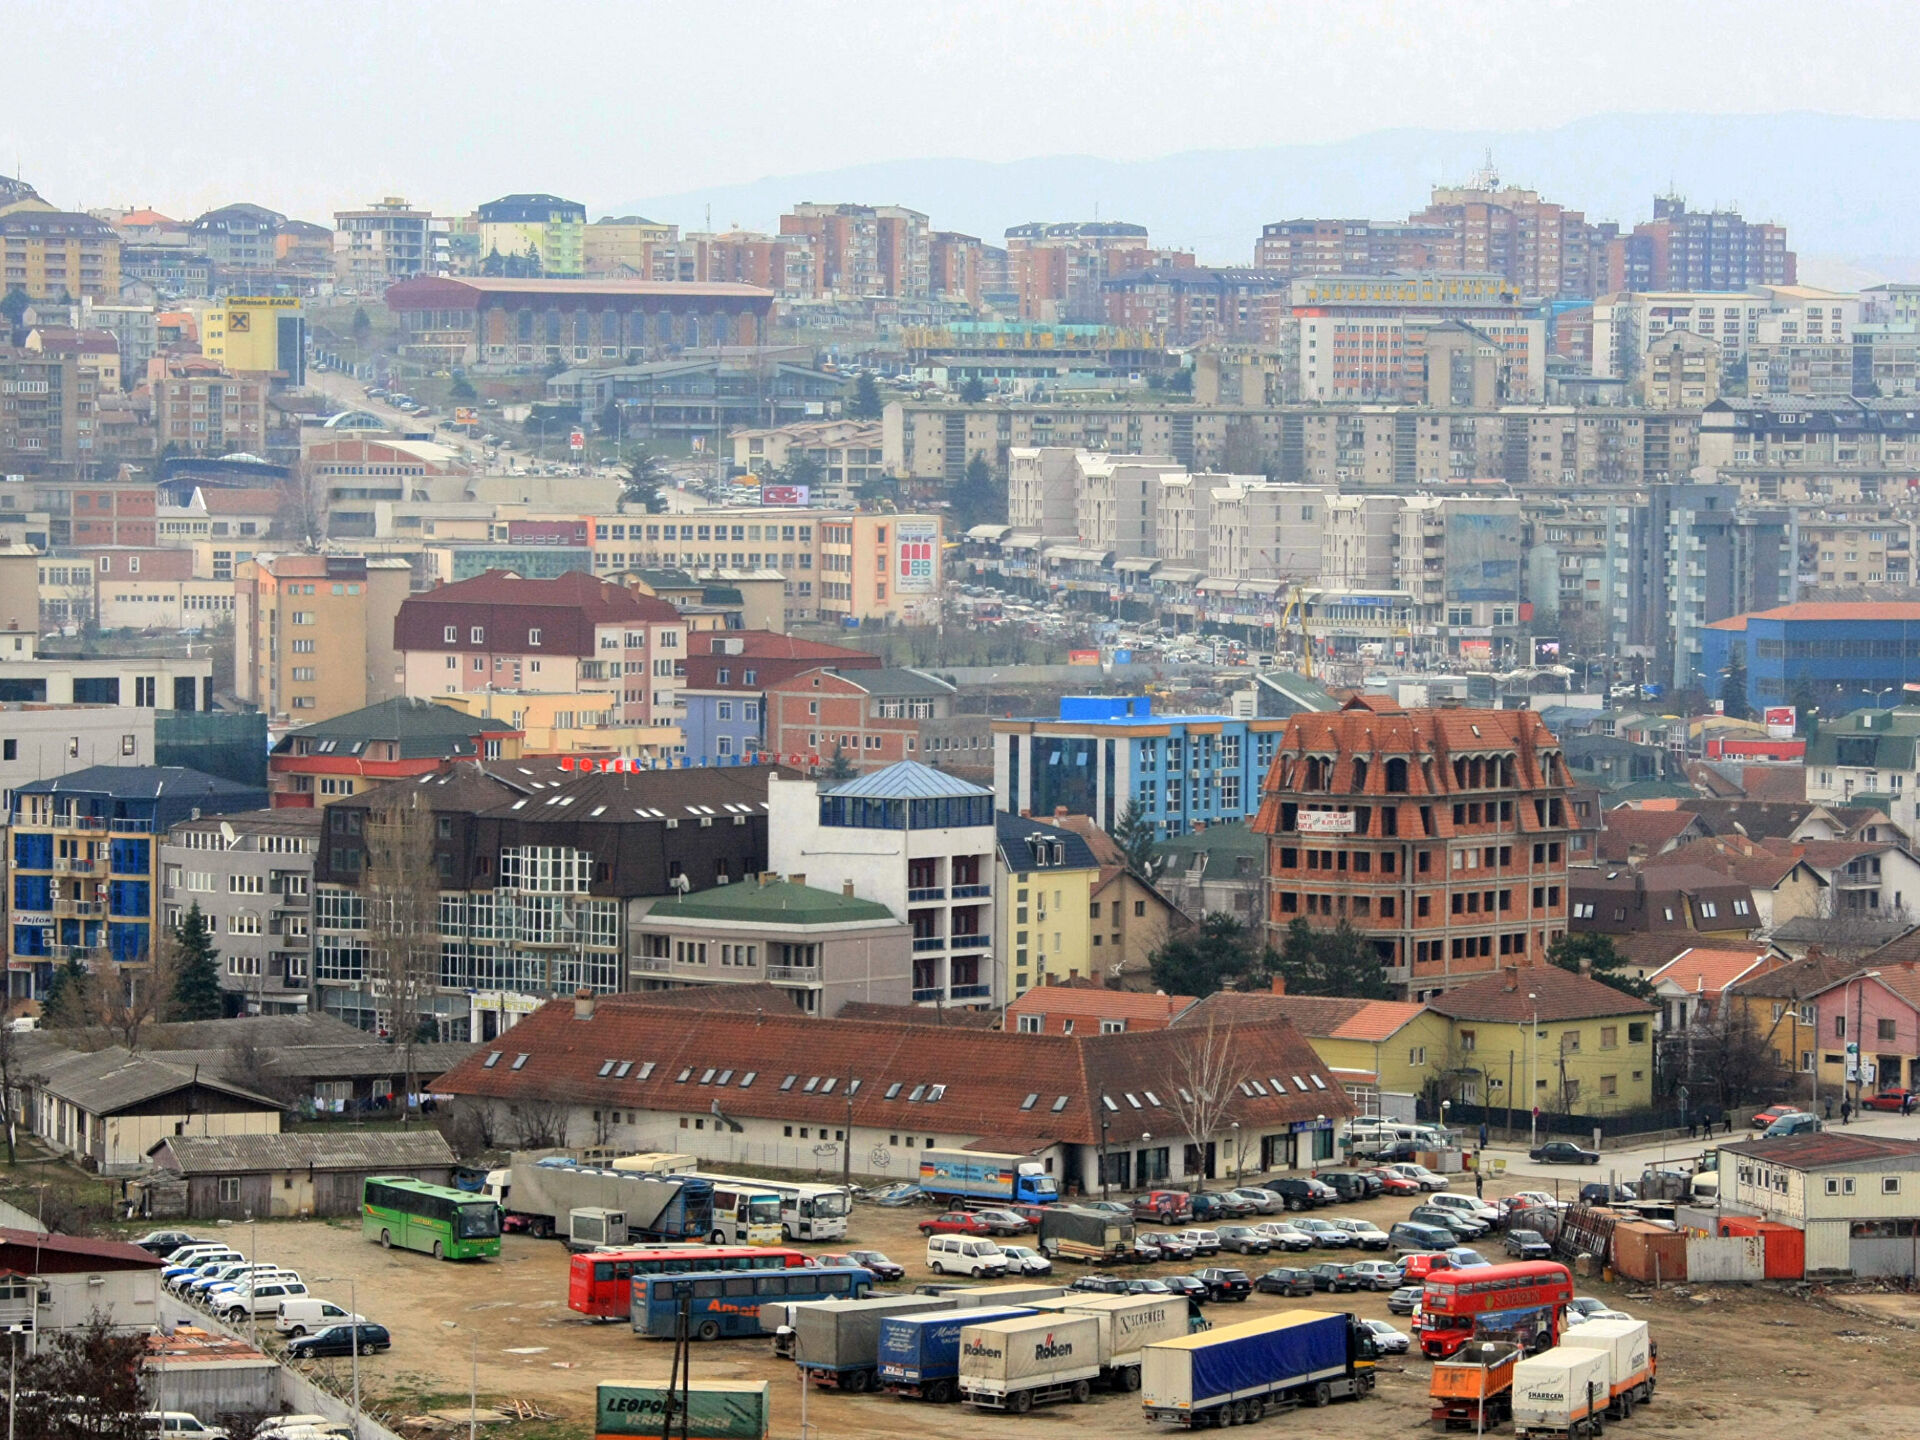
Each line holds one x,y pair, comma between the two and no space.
1884,1247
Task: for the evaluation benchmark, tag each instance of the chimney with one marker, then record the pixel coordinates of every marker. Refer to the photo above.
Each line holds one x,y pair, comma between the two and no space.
1026,814
765,876
1060,812
1586,966
1279,985
796,879
583,1004
846,888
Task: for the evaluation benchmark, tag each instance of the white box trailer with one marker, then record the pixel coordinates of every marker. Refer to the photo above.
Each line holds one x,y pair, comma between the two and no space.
1562,1394
995,1297
1128,1324
1630,1359
1017,1364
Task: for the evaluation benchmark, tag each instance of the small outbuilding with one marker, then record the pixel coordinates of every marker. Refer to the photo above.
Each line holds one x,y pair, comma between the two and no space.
282,1176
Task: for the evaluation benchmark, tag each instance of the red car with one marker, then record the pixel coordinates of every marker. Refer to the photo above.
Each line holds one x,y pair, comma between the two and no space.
1772,1113
1396,1183
1891,1100
954,1222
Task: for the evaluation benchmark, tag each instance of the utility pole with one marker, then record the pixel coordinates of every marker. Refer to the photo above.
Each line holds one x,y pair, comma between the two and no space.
1509,1095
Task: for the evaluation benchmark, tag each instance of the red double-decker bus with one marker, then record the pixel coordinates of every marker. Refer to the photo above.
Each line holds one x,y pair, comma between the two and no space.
600,1282
1525,1303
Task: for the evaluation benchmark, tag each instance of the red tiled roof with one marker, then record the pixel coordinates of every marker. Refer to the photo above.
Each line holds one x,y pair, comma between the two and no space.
63,1250
1700,970
574,590
769,645
1799,978
1774,782
1098,1003
1827,1147
1320,1017
252,501
987,1075
1649,832
1758,864
1831,610
956,1017
1558,995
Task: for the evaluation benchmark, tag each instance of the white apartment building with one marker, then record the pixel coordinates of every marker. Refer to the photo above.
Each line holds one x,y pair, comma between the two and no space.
1357,544
1119,495
913,839
1626,323
1043,491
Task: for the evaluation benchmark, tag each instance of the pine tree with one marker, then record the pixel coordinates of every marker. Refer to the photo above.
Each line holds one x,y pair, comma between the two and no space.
866,403
64,1006
840,767
1134,834
196,982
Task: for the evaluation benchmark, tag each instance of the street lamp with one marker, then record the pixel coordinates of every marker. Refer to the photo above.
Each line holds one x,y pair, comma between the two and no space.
1234,1126
353,1309
473,1392
1103,1157
14,1332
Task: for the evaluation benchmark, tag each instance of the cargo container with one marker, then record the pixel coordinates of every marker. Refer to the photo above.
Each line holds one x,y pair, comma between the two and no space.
1630,1360
1071,1232
996,1296
920,1354
716,1410
1017,1364
838,1344
1785,1246
1562,1393
1473,1388
1650,1253
986,1178
1239,1372
1128,1324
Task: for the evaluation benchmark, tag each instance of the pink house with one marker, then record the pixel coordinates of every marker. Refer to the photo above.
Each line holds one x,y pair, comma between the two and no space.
1878,1008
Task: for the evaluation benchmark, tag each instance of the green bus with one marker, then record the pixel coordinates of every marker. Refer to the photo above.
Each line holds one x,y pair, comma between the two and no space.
447,1224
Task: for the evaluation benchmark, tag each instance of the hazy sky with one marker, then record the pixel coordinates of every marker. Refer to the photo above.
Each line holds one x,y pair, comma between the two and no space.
305,108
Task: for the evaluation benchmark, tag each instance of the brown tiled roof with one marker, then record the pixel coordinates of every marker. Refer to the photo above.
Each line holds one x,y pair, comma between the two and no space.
1652,948
1320,1017
987,1075
1560,995
1763,865
253,501
1752,818
1704,970
1798,978
1646,832
959,1017
1775,782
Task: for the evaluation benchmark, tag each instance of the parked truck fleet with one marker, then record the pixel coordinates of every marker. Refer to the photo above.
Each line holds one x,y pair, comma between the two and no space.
1238,1373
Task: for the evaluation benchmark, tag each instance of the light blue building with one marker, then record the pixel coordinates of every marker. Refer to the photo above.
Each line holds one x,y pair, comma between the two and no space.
1103,752
721,725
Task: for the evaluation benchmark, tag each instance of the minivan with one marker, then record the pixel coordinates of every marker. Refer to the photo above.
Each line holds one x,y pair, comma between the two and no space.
964,1255
262,1299
1801,1122
1411,1235
308,1312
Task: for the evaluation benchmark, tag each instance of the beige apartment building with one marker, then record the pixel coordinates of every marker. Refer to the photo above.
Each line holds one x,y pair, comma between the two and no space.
313,634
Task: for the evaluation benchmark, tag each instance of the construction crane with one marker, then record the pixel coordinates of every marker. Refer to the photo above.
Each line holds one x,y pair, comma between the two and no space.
1297,606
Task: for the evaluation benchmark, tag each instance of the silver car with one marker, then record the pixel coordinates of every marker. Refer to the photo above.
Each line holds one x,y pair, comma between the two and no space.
1265,1202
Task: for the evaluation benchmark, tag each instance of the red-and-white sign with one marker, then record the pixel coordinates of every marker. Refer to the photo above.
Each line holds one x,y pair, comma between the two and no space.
577,440
1324,822
1779,722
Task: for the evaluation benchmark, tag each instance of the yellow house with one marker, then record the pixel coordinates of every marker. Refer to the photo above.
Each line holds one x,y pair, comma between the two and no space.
1372,1047
1783,1014
1539,1036
1043,881
568,724
255,334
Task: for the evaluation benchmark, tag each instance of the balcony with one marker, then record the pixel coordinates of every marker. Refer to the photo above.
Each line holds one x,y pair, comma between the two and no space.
924,943
928,995
794,974
652,964
64,906
965,942
972,892
971,992
926,894
69,866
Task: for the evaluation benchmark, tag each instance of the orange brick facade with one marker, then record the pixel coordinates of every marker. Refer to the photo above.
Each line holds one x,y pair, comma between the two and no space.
817,710
1440,835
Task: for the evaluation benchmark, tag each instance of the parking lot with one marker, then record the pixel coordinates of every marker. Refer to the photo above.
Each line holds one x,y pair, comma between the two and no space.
1754,1362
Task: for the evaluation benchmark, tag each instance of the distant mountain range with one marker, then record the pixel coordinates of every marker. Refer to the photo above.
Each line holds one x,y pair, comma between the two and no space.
1837,182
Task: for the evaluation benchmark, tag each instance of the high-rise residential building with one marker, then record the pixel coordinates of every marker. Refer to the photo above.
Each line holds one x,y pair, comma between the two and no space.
538,227
1545,249
1364,338
617,245
866,250
135,330
314,634
1440,835
239,242
1349,247
1189,303
52,255
379,245
1057,269
1627,323
953,262
1682,249
201,408
251,874
47,412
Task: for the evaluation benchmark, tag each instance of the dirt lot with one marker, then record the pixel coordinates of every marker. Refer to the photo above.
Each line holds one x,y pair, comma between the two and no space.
1751,1362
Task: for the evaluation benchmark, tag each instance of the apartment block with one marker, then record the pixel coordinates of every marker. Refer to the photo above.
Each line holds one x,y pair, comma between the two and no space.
52,255
866,250
867,719
251,874
1439,834
204,409
618,245
47,412
1682,249
550,230
1057,269
1364,338
314,634
380,245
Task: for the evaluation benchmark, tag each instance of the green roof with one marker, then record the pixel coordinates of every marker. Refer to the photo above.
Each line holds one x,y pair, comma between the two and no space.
1234,839
775,903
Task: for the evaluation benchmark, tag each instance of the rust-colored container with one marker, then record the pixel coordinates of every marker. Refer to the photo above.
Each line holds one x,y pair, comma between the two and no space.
1651,1254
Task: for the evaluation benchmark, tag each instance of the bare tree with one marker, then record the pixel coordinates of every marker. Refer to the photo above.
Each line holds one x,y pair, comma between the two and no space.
124,999
251,1067
301,516
1723,1059
16,1075
1203,1084
402,888
539,1124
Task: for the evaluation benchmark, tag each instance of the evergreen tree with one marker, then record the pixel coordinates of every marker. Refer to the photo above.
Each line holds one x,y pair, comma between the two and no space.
462,389
973,390
1338,962
64,1006
1134,834
840,767
644,479
1604,962
1733,692
976,500
196,981
14,305
362,325
866,403
1216,954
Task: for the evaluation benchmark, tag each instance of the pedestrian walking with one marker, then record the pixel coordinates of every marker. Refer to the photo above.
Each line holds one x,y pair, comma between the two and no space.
1483,1135
1693,1129
1829,1107
1906,1102
1727,1115
1846,1112
1479,1182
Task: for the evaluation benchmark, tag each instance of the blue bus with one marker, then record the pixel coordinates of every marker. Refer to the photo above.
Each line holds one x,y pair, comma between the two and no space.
728,1303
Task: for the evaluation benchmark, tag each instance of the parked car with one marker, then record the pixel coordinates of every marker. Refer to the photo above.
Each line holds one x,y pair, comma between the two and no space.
1470,1206
1204,1242
1264,1202
1325,1234
1148,1285
1603,1194
1366,1235
339,1340
1285,1280
964,1255
1032,1213
1885,1100
1414,1235
1402,1301
874,1260
1530,1200
1110,1207
1002,1222
1378,1274
1333,1278
1282,1236
306,1313
1169,1244
1186,1285
1772,1113
1528,1245
1243,1239
894,1196
1464,1227
165,1242
260,1299
1392,1182
1022,1260
1422,1263
1585,1306
1420,1175
1563,1152
954,1222
1225,1284
179,1425
1322,1193
1347,1184
1799,1123
1297,1193
1100,1284
1465,1257
1386,1339
1163,1207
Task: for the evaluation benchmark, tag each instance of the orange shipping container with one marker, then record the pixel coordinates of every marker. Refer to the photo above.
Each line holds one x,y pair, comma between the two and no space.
1786,1251
1649,1253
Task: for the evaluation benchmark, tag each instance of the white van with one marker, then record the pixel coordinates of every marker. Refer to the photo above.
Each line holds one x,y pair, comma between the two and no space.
963,1255
262,1299
307,1313
179,1425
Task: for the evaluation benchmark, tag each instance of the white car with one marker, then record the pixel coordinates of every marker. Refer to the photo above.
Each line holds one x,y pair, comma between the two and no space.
1026,1261
180,1425
1386,1339
1420,1175
1575,1318
1469,1206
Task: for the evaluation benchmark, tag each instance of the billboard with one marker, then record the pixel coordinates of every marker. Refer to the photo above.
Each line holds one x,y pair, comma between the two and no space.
716,1410
800,495
465,415
918,550
1323,822
1083,657
1779,721
1483,557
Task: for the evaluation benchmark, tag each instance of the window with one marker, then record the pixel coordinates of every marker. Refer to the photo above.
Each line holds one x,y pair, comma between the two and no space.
229,1184
477,635
1883,1030
1889,1184
1609,1036
1417,1055
1029,1024
533,637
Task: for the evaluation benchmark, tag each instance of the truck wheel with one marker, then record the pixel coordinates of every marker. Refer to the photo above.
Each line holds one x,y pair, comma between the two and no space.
719,1237
1020,1402
709,1330
438,1252
1130,1377
786,1233
940,1392
1081,1390
856,1381
1322,1395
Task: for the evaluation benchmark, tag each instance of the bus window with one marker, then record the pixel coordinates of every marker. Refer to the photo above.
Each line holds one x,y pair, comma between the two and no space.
769,1284
702,1290
834,1284
623,1270
603,1271
741,1286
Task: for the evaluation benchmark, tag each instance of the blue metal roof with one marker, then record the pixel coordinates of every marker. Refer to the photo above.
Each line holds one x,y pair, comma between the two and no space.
907,780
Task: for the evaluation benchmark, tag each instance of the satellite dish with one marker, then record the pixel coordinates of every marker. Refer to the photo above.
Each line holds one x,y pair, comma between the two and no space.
226,834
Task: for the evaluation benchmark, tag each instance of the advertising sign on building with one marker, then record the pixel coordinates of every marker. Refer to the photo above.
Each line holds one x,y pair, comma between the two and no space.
1324,822
918,548
577,440
1779,722
715,1410
465,415
1083,657
799,495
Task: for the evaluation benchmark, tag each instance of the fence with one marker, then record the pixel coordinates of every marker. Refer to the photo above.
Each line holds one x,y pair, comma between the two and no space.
1468,1118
